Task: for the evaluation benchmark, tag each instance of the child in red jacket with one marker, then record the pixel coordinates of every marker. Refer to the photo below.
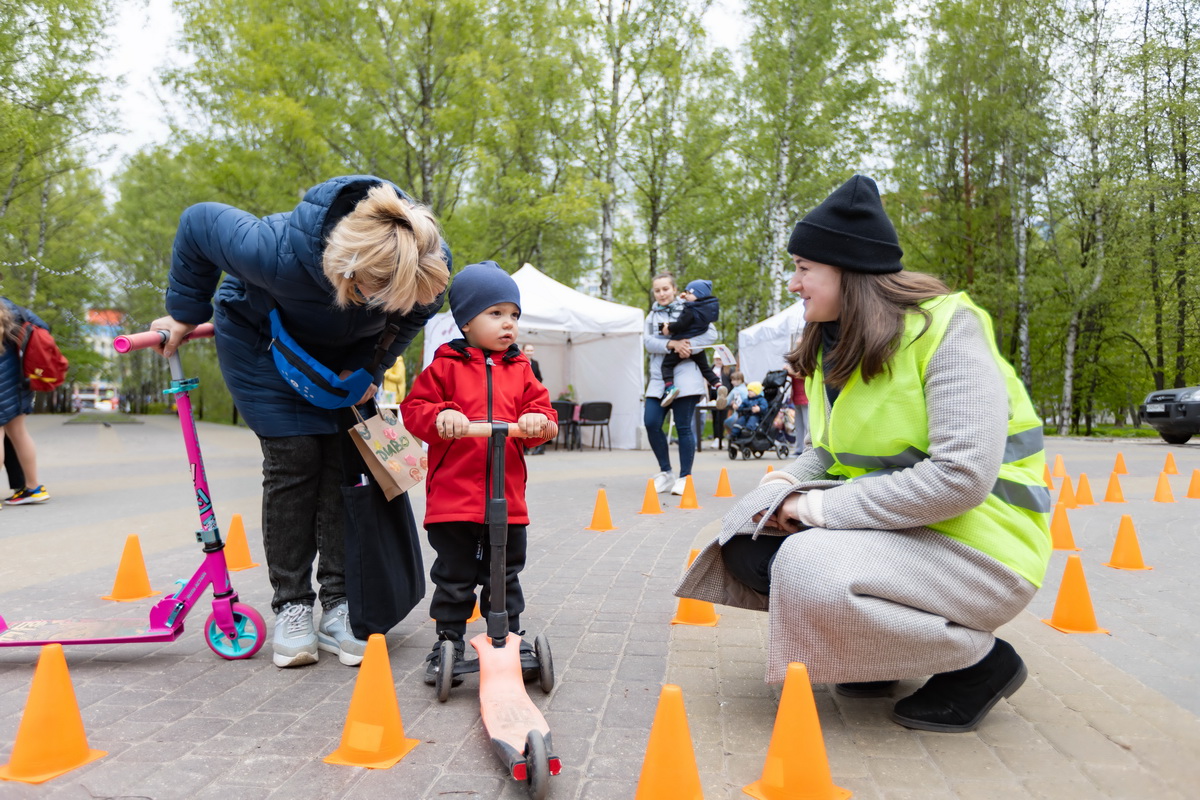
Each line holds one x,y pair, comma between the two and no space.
483,377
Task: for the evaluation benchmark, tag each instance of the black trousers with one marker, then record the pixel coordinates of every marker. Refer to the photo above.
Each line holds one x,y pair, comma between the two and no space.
12,465
463,562
700,358
749,560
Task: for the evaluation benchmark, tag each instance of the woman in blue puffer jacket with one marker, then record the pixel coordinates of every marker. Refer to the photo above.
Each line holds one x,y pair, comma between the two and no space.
16,401
353,254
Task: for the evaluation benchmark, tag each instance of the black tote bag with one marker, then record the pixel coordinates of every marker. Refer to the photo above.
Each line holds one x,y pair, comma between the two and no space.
385,575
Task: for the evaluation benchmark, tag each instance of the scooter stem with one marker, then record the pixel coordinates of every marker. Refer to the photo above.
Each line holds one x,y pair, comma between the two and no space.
497,522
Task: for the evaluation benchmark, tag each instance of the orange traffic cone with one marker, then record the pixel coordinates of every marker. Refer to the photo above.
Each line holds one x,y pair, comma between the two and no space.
1066,495
669,770
723,487
1047,477
1060,530
475,615
1073,609
695,612
650,504
796,764
1060,469
132,582
770,468
1162,492
237,549
601,519
1127,553
50,738
1114,494
689,495
373,736
1083,495
1194,487
1169,466
1119,465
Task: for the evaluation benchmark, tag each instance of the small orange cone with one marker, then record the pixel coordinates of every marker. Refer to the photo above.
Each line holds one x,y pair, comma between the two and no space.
695,612
1169,466
689,495
50,739
669,769
1194,487
475,615
1083,495
1047,477
601,519
1060,530
650,504
1127,553
132,582
1066,495
1060,469
770,468
1162,492
1073,609
723,487
1114,494
237,549
796,764
373,736
1119,465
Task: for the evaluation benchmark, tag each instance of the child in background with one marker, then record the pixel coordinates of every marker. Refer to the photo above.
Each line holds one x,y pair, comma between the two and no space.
737,395
749,411
700,309
481,377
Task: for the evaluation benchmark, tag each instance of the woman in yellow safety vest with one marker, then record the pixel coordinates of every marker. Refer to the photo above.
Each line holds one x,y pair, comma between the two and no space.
915,522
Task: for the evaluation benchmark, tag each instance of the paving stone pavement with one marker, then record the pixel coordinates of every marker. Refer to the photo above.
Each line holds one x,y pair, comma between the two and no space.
1105,716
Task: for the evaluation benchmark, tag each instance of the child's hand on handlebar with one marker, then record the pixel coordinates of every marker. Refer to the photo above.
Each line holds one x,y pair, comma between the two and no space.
175,329
452,424
537,426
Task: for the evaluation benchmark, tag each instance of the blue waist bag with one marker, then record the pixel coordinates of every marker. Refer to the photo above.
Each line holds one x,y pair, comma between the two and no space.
311,379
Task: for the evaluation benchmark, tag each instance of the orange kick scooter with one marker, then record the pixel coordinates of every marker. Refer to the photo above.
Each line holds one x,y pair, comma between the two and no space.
518,730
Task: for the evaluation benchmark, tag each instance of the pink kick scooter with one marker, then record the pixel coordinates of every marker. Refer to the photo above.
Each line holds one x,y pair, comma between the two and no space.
233,629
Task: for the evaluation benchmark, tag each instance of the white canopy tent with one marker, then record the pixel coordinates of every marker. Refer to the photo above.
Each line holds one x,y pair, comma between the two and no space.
762,346
582,342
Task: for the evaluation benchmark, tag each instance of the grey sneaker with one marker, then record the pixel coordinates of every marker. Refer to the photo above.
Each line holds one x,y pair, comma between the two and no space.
294,641
664,481
334,635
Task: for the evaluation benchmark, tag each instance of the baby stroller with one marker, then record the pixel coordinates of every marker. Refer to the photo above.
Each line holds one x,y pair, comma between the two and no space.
777,388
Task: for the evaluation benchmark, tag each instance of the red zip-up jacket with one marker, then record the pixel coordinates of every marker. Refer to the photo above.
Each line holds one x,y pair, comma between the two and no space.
484,386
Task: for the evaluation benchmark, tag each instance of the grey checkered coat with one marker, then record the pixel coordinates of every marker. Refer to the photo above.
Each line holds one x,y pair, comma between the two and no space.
875,595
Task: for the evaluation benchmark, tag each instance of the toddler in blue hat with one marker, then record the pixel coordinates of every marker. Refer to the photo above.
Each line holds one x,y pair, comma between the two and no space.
700,309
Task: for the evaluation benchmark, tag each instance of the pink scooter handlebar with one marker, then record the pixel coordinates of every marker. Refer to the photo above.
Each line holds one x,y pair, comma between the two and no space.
140,341
484,429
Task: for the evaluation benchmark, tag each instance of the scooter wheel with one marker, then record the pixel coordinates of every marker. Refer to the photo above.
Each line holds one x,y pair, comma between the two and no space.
537,765
541,647
250,635
445,677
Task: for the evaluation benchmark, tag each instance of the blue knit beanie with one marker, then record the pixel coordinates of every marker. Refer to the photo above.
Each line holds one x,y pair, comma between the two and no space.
699,288
480,286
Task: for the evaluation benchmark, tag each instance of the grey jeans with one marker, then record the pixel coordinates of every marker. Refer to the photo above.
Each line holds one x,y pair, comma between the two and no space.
303,518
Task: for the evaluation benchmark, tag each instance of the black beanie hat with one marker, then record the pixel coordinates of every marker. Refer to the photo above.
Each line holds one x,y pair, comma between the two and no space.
849,230
481,286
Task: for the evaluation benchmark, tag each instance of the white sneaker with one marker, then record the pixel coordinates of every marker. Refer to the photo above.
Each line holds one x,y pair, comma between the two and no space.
679,486
335,636
294,640
663,481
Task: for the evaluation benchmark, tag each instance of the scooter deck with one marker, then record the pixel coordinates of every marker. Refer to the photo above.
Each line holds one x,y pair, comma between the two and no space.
508,713
83,631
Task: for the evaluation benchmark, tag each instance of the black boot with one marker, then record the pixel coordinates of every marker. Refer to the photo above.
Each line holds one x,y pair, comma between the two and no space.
866,688
953,702
433,661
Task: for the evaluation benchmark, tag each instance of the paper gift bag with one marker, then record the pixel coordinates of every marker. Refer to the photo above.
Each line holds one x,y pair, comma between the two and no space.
393,455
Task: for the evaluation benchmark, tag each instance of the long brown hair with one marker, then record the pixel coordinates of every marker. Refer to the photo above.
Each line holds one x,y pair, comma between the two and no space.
10,331
872,322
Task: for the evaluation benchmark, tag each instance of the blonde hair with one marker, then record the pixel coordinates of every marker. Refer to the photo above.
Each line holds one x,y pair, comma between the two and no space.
872,322
10,331
389,247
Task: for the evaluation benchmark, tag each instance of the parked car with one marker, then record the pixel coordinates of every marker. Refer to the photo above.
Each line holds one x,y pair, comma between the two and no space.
1174,413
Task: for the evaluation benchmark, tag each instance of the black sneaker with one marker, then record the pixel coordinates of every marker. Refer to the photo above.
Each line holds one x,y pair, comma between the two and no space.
954,702
531,668
433,661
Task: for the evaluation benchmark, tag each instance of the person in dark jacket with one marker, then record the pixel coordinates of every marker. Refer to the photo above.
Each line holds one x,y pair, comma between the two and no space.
355,254
700,310
16,402
482,377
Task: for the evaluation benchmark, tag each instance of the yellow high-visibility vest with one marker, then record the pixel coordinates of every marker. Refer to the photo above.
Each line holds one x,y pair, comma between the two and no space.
880,427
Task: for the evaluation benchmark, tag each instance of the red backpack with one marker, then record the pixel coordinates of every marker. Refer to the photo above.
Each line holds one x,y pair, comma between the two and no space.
43,363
